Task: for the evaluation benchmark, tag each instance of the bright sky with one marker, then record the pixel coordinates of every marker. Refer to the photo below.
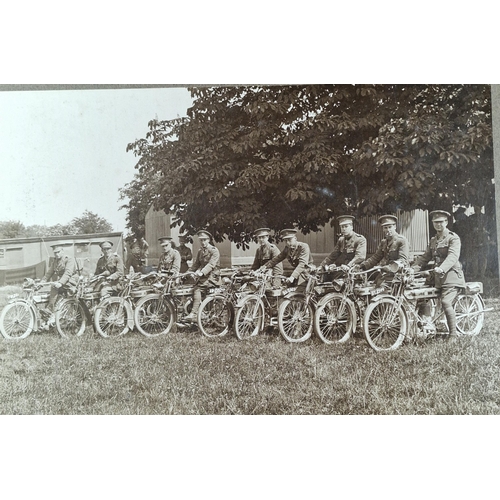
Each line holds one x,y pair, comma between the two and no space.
63,152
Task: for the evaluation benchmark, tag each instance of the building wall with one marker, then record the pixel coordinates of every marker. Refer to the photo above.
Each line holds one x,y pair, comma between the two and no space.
157,224
414,225
18,254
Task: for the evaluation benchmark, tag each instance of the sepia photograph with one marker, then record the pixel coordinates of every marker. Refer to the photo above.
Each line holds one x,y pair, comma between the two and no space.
223,288
260,249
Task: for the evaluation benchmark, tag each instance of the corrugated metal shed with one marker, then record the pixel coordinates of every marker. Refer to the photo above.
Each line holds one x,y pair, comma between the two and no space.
413,225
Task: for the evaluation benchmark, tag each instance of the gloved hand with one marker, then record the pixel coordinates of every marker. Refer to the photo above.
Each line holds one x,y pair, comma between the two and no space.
344,267
391,267
290,279
439,272
57,285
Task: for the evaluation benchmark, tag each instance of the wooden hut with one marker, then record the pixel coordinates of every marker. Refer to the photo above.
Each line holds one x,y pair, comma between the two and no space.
29,257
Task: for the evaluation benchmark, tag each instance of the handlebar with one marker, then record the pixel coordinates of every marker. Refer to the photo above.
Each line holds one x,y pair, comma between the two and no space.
427,273
353,271
186,274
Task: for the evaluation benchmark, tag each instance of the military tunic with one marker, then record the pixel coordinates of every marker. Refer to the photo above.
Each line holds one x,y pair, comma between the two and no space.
264,254
186,255
207,262
391,250
111,267
136,262
348,250
298,257
445,252
170,261
64,269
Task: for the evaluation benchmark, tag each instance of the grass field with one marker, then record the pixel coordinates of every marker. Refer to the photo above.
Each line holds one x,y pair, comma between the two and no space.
185,373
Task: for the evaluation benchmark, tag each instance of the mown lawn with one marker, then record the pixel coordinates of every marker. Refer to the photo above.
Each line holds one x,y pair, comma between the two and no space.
185,373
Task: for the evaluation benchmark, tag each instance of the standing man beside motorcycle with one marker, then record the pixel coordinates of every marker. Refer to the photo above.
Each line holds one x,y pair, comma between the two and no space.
185,253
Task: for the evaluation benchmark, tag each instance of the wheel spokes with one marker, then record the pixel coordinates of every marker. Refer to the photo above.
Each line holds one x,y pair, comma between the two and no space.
154,318
17,320
296,320
113,319
334,319
385,325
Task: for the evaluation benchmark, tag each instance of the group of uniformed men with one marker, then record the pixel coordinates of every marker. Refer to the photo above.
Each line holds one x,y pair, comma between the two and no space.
349,252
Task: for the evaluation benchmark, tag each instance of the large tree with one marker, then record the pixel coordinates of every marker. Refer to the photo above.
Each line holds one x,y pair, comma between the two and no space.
139,195
247,156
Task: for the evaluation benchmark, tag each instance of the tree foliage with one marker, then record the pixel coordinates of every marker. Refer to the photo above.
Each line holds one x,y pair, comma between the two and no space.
11,229
87,223
139,196
251,156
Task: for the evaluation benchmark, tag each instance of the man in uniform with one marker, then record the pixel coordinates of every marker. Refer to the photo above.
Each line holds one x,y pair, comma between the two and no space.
137,257
64,269
444,250
265,252
462,227
479,245
350,249
170,260
110,265
206,268
298,255
185,253
392,253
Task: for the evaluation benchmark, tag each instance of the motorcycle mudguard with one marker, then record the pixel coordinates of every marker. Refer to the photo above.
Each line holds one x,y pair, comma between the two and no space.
294,295
376,298
241,300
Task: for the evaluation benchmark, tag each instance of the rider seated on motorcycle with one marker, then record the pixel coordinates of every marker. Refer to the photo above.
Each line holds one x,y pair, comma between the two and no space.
206,269
265,252
349,250
110,266
391,254
298,255
444,250
64,269
170,259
